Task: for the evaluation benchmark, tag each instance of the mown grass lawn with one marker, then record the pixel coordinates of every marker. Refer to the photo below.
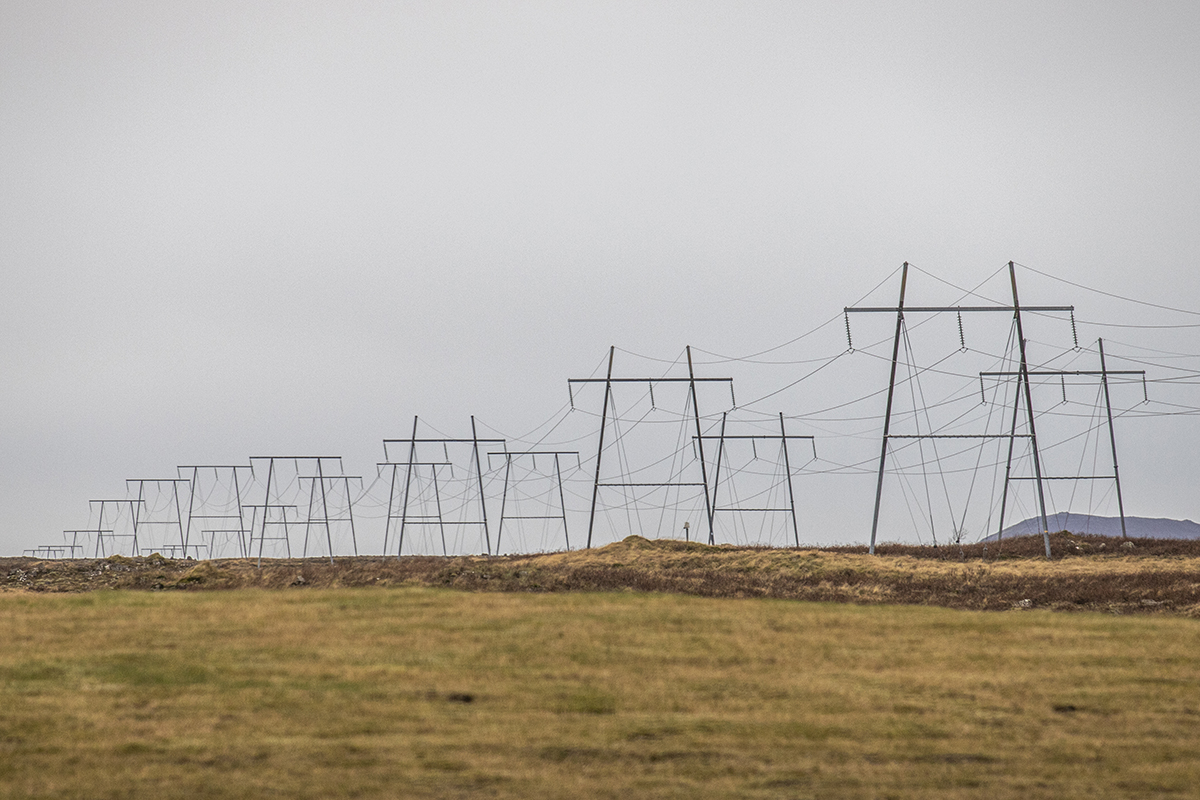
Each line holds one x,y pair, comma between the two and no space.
433,693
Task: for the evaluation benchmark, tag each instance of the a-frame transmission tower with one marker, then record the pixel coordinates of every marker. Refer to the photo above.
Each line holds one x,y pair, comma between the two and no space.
276,512
319,516
532,455
212,517
1103,373
691,380
783,437
411,467
1023,388
144,516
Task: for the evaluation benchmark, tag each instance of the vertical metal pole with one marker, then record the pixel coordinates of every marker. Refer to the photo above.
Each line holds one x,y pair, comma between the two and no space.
1112,437
1024,379
312,493
562,502
191,505
600,447
437,497
387,525
250,537
717,468
487,536
179,517
887,415
412,452
325,508
1012,437
708,506
350,515
134,512
787,465
287,533
266,507
99,535
243,542
503,499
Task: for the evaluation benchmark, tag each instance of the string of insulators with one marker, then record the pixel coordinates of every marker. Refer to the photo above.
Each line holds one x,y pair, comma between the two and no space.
1074,333
652,406
732,396
571,392
982,394
1145,391
962,341
849,341
1063,381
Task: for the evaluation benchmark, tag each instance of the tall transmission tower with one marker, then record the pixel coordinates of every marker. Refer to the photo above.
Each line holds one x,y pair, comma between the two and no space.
1022,376
532,455
412,466
609,381
145,514
277,513
783,437
319,516
1103,373
112,533
225,515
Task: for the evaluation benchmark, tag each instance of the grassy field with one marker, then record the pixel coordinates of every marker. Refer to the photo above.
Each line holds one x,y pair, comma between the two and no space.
420,692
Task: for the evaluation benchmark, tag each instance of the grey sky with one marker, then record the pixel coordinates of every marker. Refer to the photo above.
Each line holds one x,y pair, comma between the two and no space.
235,229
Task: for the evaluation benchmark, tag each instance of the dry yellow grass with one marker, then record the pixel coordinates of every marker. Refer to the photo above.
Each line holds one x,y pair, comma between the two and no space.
419,692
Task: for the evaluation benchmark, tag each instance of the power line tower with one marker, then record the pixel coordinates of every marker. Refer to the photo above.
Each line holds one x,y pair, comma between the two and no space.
412,466
277,513
691,380
147,513
112,534
1103,373
70,548
520,456
216,505
322,486
783,437
1022,376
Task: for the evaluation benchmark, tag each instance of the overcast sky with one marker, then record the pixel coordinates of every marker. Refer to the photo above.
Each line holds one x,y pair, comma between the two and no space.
231,229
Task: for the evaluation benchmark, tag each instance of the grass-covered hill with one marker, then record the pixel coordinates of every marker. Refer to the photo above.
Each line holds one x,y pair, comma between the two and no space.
1086,573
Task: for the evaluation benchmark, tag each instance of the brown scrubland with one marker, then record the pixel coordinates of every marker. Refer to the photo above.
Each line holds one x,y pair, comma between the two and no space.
1087,573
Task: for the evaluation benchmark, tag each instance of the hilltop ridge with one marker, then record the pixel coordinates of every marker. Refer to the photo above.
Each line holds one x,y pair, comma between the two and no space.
1088,573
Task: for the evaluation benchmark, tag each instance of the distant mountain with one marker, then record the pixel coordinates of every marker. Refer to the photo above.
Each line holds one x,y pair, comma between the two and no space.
1136,527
